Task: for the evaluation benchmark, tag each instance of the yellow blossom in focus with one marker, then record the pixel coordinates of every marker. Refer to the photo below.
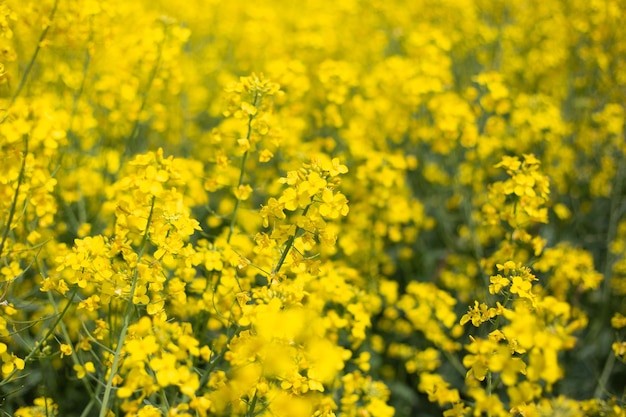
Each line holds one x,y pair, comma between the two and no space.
66,350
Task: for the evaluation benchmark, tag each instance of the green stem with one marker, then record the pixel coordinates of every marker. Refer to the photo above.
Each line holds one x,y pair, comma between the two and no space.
31,63
604,377
81,88
233,221
144,101
89,406
489,389
456,363
68,340
43,340
20,86
73,143
44,386
615,212
476,246
288,245
129,311
20,180
252,405
242,170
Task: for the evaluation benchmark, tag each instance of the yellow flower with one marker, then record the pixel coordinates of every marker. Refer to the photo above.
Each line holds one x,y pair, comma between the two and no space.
10,362
511,163
313,184
498,282
274,210
66,350
149,411
334,168
265,155
521,287
292,199
333,204
478,314
42,407
82,371
618,321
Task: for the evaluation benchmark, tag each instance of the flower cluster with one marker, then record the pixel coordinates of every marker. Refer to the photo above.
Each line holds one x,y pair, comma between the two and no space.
327,209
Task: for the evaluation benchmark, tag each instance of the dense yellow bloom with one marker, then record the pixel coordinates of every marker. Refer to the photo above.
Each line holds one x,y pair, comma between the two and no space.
281,208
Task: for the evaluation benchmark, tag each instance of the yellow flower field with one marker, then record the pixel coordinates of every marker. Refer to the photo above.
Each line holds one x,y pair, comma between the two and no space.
312,209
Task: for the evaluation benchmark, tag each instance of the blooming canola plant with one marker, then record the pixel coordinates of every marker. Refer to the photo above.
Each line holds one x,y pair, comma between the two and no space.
296,209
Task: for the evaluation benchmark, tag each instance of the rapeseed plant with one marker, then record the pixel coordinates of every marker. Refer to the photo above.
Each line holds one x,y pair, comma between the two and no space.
312,209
